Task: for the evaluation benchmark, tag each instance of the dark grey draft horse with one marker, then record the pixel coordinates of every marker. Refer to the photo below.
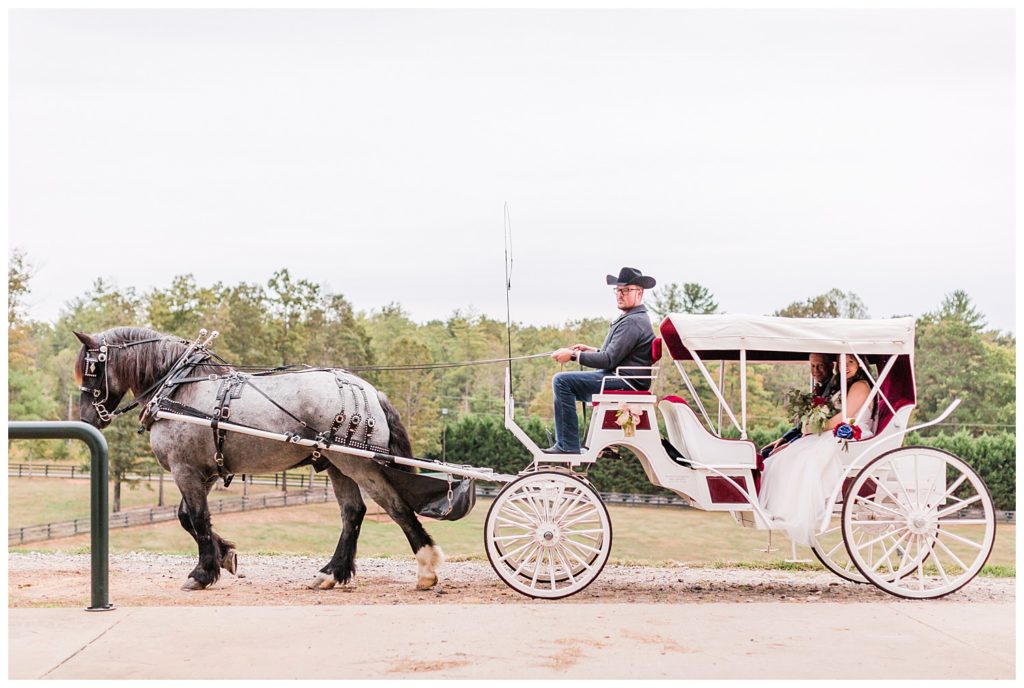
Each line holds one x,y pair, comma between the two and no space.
123,359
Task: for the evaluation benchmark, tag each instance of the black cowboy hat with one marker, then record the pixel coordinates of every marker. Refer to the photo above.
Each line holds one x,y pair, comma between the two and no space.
632,276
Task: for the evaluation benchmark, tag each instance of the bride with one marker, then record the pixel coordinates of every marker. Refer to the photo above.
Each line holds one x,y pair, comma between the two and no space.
799,477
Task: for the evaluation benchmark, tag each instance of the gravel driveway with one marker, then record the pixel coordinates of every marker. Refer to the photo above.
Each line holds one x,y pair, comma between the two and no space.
142,579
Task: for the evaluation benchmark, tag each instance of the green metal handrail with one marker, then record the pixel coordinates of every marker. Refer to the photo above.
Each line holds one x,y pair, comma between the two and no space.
100,506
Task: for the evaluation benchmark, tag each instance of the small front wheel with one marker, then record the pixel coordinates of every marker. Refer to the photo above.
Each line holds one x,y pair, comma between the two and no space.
548,535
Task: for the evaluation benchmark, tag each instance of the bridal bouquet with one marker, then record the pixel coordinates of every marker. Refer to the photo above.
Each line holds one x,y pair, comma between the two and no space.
812,411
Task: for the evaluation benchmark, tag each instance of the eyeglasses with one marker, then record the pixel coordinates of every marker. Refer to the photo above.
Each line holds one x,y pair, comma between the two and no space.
625,290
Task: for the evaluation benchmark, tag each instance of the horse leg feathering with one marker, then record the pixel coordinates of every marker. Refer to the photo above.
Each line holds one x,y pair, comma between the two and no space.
342,565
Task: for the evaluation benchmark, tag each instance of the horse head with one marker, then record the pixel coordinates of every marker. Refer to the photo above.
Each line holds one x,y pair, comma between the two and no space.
116,361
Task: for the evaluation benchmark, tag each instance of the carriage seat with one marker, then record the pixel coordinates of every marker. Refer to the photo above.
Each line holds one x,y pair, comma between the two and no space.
656,351
692,439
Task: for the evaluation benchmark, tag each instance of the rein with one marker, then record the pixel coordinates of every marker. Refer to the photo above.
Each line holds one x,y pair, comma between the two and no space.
299,368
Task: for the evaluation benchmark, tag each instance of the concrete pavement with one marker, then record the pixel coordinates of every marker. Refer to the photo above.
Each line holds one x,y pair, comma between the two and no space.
896,640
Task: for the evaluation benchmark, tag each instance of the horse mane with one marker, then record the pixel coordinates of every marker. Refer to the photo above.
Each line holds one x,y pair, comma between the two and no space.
139,367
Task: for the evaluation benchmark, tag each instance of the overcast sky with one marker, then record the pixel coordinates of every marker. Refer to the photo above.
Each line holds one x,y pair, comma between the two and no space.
769,155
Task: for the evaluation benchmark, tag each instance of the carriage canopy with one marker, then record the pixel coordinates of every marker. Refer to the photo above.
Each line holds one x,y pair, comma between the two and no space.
767,338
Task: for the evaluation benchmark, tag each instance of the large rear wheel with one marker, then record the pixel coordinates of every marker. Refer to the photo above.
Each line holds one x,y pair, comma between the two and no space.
934,521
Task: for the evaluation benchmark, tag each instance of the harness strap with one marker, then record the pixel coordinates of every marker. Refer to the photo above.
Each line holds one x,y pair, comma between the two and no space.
230,388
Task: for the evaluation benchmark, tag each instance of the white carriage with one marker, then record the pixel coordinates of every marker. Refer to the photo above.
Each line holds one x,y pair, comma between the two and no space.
916,522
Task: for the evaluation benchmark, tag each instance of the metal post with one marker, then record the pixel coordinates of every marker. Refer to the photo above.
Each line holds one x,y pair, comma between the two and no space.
99,526
444,431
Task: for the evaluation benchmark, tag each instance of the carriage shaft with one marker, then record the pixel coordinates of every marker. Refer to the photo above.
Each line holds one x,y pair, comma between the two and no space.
483,474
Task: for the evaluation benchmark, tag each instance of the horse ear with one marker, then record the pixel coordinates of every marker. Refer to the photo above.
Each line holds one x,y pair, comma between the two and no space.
88,341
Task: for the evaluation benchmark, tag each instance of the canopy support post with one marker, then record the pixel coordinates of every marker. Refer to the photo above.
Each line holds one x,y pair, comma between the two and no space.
743,392
842,384
721,383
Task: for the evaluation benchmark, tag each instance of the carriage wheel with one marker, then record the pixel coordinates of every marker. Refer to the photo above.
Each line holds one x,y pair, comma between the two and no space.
575,569
934,518
829,548
548,535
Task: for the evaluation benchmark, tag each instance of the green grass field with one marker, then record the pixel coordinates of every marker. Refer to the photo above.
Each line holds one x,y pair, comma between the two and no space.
31,501
643,535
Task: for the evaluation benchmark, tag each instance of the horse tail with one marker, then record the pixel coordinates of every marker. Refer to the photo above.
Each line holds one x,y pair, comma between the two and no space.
398,444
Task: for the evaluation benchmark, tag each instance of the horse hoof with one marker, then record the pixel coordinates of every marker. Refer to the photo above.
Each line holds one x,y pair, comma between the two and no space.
230,562
192,584
426,583
323,581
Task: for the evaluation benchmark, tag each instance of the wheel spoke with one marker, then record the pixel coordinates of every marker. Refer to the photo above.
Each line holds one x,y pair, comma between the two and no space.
952,556
957,507
896,473
517,550
950,490
917,483
578,519
536,569
970,543
885,555
565,565
588,548
881,537
503,538
530,518
585,531
938,565
879,523
518,524
920,566
839,545
894,498
572,552
567,508
875,505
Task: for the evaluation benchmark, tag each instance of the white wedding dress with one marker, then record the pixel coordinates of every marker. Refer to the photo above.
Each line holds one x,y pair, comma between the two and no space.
798,480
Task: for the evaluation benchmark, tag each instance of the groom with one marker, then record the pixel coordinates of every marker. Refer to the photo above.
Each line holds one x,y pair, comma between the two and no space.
628,344
823,374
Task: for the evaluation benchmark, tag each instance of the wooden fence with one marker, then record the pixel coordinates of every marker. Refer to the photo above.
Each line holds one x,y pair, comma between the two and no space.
142,517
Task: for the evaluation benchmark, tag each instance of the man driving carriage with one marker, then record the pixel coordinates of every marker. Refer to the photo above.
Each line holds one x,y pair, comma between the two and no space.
628,345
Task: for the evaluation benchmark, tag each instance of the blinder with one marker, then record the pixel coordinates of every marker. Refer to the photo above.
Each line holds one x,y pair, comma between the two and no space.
94,366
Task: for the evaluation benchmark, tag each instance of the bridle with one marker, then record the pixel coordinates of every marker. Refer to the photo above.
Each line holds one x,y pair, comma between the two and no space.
94,367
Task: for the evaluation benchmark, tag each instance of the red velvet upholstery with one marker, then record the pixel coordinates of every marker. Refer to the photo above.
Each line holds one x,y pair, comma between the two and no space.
609,421
722,491
675,400
898,388
656,350
675,345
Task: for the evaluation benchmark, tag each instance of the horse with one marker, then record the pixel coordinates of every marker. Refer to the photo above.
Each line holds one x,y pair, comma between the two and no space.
174,373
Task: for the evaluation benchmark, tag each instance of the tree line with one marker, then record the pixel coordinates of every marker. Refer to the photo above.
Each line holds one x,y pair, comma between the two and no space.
288,319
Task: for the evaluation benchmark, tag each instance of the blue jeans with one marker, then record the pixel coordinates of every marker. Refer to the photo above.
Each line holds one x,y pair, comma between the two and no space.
568,389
